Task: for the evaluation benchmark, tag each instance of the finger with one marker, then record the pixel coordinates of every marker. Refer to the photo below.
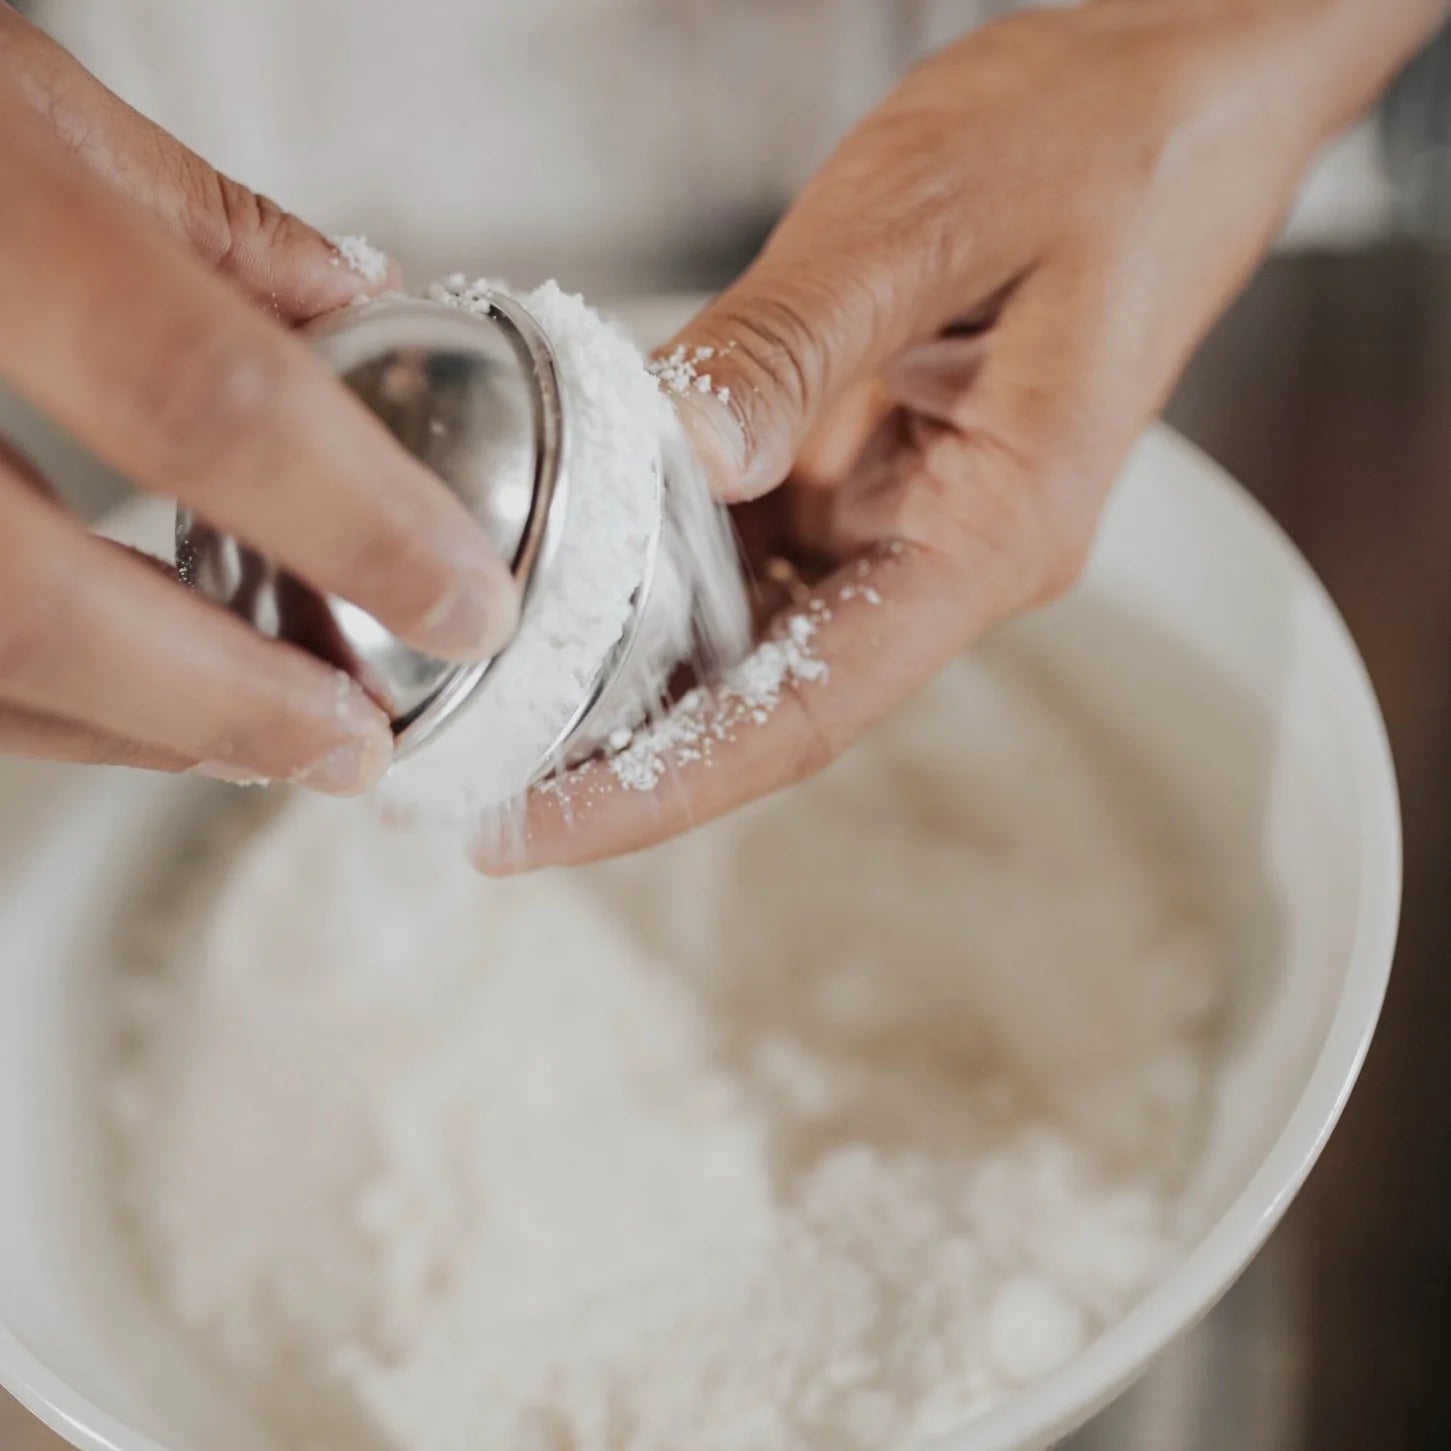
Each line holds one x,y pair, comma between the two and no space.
114,332
846,280
781,348
101,640
277,259
830,451
33,735
877,630
762,362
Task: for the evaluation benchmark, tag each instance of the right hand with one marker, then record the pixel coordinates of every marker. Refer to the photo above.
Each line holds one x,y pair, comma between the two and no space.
135,288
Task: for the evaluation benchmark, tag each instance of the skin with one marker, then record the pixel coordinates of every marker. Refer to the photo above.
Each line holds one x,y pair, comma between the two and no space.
946,351
937,366
145,305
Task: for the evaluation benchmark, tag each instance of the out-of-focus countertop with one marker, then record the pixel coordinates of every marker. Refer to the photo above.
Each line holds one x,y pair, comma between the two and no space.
1328,392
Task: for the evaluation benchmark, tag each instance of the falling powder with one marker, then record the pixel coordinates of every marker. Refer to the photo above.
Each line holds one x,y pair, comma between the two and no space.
746,695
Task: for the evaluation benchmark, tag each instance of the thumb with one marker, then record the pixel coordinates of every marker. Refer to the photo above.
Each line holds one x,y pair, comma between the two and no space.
757,368
279,261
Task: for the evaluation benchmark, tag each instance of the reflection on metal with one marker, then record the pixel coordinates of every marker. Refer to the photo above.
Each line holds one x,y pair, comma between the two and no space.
479,401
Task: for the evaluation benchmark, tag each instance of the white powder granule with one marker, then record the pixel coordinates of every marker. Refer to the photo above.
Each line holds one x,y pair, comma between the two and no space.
681,370
824,1129
746,695
617,421
362,257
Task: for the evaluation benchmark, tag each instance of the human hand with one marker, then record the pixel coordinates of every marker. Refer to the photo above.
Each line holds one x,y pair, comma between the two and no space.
136,285
951,343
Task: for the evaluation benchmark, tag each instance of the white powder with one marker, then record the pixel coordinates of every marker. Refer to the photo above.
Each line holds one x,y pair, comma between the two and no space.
617,420
704,717
362,257
743,696
680,371
825,1129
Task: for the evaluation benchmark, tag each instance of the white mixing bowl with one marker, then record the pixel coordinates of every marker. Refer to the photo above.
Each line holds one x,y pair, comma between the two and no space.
1200,639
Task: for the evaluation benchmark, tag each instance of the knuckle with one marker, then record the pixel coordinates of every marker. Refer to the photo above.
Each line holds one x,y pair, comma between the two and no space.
265,221
211,213
210,394
772,351
229,219
778,339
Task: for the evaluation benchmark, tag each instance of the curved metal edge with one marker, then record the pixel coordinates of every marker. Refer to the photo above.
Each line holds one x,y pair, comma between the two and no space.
542,530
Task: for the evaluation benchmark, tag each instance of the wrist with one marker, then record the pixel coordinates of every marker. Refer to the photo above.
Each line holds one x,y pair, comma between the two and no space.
1334,58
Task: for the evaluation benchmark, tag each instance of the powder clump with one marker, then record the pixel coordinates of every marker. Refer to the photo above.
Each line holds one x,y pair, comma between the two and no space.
706,716
681,370
362,257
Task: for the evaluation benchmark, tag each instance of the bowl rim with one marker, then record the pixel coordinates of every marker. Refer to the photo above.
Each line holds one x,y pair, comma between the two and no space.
1112,1362
1099,1373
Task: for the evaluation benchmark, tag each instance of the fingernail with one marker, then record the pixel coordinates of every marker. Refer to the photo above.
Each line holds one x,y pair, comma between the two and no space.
348,769
719,441
478,616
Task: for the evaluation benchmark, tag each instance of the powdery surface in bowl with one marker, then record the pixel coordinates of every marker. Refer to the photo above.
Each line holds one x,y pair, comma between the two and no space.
827,1128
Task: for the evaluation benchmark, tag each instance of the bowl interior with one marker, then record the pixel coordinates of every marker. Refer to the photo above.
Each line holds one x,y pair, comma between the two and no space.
1200,645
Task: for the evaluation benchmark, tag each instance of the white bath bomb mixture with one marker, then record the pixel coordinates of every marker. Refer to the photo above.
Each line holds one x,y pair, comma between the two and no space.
828,1128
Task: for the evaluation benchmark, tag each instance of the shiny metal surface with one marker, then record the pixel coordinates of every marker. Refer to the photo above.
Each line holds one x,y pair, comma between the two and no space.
479,401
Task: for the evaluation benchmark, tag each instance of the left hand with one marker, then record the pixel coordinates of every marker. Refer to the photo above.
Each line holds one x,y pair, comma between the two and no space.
956,336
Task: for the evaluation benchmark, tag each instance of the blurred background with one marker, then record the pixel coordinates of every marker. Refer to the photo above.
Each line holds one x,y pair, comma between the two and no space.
1327,392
